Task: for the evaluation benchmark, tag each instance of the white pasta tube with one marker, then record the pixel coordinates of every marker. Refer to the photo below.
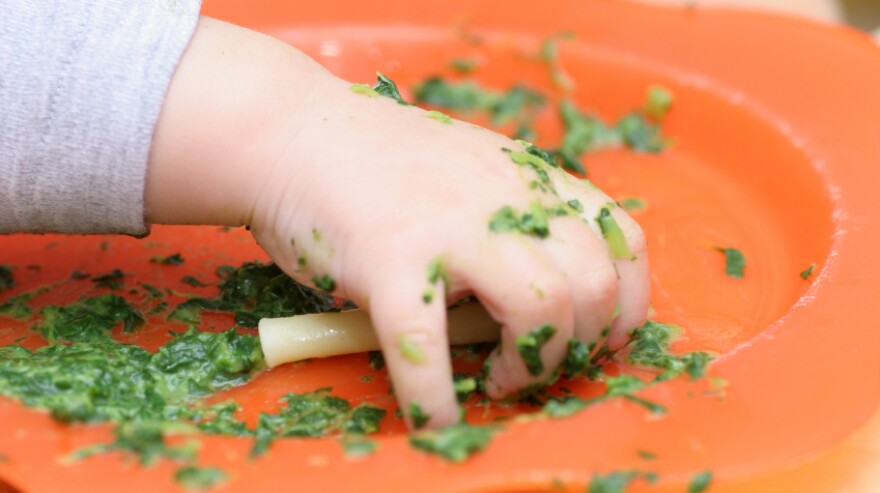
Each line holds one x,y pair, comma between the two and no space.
301,337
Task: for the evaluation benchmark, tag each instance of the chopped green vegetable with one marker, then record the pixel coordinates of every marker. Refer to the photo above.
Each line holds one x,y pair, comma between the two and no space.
254,291
463,65
808,271
700,482
315,414
549,50
576,205
194,282
532,223
454,443
644,454
639,134
577,360
386,87
613,482
88,319
549,55
651,348
325,283
623,385
535,161
146,441
359,447
112,280
77,275
417,415
613,235
529,347
734,262
200,478
428,295
586,133
658,102
16,307
440,117
6,280
437,272
364,90
583,133
560,408
464,386
101,379
153,291
518,103
633,204
173,259
377,361
411,350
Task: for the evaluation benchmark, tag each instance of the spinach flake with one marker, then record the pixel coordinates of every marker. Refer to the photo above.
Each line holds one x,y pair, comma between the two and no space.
200,478
173,259
88,319
529,347
6,279
700,482
454,443
734,262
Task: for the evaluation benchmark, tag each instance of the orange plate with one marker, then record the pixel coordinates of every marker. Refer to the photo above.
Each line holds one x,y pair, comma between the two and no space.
777,137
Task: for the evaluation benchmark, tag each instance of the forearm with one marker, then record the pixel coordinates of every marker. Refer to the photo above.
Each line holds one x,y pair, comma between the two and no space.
233,106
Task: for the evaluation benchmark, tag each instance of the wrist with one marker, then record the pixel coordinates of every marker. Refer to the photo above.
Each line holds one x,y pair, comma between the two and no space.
236,100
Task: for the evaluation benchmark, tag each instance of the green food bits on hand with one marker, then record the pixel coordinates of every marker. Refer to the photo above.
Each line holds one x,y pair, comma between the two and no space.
613,235
428,295
440,117
388,88
577,360
532,223
199,478
437,272
529,347
576,205
734,262
411,350
417,415
517,103
325,283
454,443
364,89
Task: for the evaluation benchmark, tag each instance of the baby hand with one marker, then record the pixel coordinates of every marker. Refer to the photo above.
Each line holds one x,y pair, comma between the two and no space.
404,211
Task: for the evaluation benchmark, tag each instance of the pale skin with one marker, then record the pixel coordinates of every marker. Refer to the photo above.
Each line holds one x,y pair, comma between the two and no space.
369,193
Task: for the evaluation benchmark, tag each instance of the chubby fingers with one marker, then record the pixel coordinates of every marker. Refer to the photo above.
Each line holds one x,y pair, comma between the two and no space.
408,310
626,248
591,275
528,294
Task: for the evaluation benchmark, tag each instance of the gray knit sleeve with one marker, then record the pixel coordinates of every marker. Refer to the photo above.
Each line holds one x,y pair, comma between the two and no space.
81,87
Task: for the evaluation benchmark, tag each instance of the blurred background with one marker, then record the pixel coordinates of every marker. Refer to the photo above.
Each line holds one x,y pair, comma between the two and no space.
862,14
